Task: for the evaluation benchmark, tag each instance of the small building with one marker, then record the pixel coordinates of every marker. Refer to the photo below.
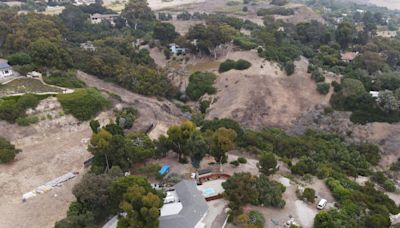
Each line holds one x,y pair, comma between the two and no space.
5,70
187,209
348,56
176,50
98,18
34,74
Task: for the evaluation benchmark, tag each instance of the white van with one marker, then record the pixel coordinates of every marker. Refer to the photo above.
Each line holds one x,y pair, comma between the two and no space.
322,204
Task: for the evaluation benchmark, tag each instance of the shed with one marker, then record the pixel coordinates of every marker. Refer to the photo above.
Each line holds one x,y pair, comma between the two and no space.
164,169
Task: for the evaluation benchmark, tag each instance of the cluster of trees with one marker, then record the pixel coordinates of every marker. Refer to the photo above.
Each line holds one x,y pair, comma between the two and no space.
244,188
111,147
100,196
187,141
230,64
126,117
83,104
7,151
358,205
200,83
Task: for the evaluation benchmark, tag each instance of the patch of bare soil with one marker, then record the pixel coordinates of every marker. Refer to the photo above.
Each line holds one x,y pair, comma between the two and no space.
263,96
50,149
182,27
152,111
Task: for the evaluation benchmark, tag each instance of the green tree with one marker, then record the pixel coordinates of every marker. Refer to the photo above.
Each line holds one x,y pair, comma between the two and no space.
199,84
165,32
138,15
240,189
95,126
142,208
309,195
139,147
388,101
178,138
267,163
270,192
7,151
222,141
345,34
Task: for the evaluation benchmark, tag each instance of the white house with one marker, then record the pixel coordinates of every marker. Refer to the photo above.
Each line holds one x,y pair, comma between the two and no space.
98,18
5,70
176,50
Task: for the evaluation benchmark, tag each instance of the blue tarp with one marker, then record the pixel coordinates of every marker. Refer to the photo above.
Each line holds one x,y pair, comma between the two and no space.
164,169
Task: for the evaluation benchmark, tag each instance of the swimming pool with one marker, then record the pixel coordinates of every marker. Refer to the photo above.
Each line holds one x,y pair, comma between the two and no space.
208,192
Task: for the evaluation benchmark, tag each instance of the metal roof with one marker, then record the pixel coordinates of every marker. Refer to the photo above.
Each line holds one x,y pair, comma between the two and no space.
4,65
194,207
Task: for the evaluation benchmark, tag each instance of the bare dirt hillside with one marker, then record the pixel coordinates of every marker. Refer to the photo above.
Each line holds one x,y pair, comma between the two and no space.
263,96
50,149
151,110
302,13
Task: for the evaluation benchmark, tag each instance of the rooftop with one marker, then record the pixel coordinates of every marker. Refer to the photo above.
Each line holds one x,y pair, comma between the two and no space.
4,65
194,207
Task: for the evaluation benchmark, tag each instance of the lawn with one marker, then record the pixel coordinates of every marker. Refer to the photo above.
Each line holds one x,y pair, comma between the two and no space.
25,85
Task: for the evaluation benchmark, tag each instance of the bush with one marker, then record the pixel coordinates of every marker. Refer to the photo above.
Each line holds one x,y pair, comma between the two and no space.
235,163
389,185
275,10
309,195
126,117
12,108
27,101
26,121
7,151
256,219
242,160
199,84
279,2
204,104
245,43
323,88
83,104
20,58
289,67
231,64
317,76
64,79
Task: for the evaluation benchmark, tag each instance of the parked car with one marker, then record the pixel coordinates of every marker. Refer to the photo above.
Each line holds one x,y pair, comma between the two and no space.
322,203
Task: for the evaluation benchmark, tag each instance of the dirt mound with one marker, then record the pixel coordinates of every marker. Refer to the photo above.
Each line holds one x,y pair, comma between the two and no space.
263,96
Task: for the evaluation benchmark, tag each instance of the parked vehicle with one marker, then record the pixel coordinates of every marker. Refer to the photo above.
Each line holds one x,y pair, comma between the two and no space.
322,203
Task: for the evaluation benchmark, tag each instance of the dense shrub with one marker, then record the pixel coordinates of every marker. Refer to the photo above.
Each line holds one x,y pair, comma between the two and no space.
317,76
83,104
279,2
245,43
12,108
289,67
323,87
20,58
126,117
275,10
242,160
309,195
66,79
26,121
256,219
7,151
199,84
231,64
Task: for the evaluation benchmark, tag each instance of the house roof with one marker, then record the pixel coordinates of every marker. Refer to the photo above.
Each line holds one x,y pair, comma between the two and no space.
4,65
194,207
349,56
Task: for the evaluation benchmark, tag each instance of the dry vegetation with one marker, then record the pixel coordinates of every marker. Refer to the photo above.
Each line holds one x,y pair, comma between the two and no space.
263,95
